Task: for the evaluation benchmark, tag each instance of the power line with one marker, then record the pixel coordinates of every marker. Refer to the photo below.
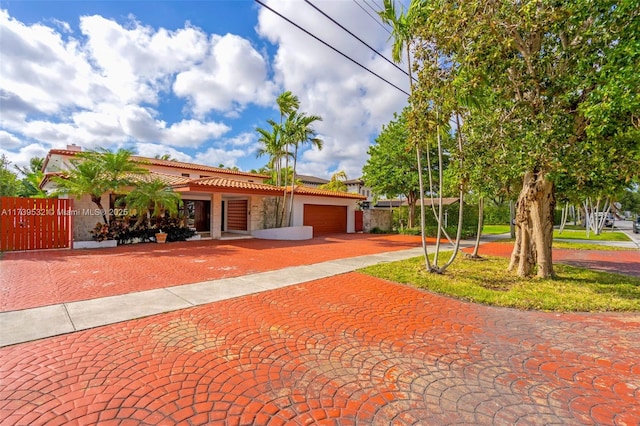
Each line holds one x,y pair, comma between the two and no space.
371,7
376,20
330,47
356,37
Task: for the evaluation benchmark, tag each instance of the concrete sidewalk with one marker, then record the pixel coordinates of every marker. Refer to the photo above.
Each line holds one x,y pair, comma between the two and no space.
37,323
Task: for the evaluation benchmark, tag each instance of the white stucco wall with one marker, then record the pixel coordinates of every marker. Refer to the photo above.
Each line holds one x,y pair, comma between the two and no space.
300,200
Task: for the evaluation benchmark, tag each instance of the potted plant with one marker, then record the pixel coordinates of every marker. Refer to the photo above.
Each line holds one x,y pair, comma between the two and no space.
161,237
153,198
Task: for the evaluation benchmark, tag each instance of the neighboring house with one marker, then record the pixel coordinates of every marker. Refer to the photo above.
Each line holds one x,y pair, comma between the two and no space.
354,186
311,181
357,186
217,200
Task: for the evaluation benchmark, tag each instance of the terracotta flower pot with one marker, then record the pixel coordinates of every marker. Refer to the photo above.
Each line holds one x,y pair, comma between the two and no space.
161,237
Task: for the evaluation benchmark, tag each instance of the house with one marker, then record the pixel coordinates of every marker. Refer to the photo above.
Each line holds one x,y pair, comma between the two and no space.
357,186
311,181
216,200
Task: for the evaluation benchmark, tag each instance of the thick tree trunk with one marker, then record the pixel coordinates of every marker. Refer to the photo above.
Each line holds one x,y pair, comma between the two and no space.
534,227
412,210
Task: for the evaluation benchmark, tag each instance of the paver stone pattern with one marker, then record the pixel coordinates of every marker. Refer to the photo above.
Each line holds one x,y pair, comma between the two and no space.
43,278
345,350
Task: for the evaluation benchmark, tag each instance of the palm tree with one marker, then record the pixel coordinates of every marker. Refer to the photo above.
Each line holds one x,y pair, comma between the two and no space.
273,145
83,178
336,182
152,198
95,172
288,103
117,167
33,175
299,131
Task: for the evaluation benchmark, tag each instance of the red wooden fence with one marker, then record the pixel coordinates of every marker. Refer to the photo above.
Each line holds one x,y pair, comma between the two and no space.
359,221
35,223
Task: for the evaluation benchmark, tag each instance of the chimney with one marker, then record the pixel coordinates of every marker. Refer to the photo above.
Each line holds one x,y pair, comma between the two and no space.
74,147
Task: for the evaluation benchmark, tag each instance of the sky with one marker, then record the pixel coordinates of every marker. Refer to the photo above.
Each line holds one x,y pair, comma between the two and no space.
193,79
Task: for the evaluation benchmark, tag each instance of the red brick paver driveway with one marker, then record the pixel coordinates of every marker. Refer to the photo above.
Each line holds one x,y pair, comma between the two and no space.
31,279
345,350
350,349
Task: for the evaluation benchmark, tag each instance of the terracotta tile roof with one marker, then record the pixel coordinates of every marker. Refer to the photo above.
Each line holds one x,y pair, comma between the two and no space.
169,163
305,190
225,183
169,180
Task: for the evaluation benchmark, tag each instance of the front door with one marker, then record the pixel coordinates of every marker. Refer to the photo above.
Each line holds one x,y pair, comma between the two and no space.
198,214
203,216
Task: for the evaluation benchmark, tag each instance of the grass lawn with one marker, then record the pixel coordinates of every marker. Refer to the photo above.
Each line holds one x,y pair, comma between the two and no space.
486,281
495,229
586,246
570,232
581,234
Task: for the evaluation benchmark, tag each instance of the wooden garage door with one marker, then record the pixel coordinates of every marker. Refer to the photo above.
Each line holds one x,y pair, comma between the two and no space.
236,215
325,219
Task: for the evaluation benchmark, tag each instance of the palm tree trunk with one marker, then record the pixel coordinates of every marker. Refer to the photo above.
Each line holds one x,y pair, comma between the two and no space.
293,184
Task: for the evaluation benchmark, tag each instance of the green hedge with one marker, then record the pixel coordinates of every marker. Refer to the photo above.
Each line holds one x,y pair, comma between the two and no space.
469,223
496,215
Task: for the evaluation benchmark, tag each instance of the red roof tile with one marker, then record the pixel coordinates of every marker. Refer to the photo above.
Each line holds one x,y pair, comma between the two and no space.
306,190
169,163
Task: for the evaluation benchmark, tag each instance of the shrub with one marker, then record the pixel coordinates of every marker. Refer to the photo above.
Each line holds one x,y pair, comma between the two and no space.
126,231
101,232
174,228
496,215
432,231
377,230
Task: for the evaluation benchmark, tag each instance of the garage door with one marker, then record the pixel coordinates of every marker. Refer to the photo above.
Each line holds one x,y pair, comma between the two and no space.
236,215
325,219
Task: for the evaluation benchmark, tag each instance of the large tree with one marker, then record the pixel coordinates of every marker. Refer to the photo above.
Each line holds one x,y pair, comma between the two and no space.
391,169
32,177
336,182
299,131
9,184
565,87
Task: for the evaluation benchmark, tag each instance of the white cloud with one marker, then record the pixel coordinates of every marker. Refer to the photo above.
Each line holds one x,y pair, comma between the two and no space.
41,68
234,75
151,150
135,63
217,156
192,133
108,84
243,139
22,157
353,103
9,141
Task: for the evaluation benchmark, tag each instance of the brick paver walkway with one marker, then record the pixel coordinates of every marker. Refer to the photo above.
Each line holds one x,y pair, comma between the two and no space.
346,350
350,349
